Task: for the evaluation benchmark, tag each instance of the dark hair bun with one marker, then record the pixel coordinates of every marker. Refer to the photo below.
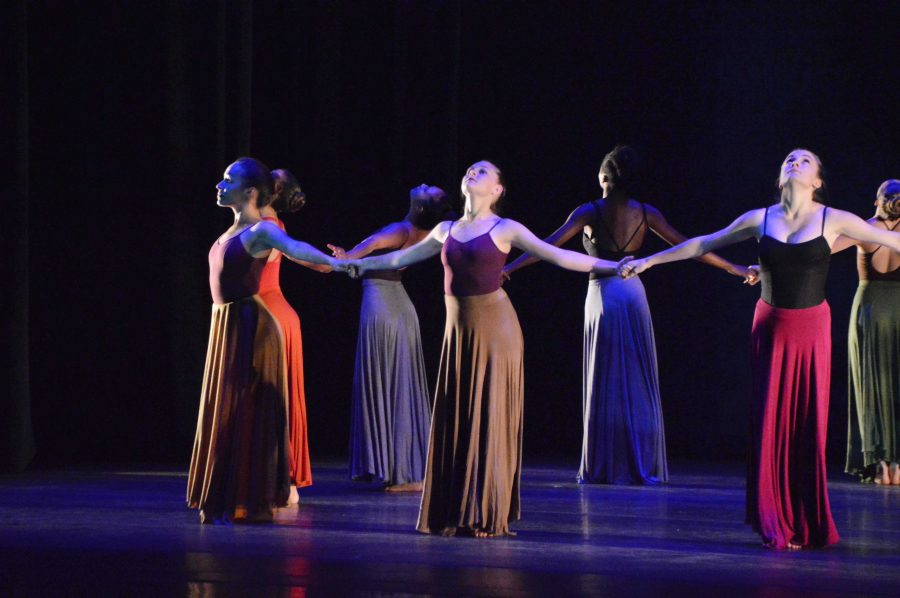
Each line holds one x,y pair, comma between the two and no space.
288,196
623,167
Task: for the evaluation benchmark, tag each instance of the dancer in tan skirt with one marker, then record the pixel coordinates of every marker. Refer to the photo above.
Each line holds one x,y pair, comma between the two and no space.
475,449
240,462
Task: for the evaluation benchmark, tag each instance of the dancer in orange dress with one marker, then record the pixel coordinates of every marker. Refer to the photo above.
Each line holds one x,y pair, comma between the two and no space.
288,197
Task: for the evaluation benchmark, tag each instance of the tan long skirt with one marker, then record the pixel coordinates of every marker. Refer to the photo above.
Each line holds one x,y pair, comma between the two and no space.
240,468
475,449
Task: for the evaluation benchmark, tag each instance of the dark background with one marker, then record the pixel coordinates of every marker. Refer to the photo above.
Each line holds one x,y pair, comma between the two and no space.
124,114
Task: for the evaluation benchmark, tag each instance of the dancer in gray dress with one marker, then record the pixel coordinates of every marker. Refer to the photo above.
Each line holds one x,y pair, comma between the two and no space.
391,410
624,438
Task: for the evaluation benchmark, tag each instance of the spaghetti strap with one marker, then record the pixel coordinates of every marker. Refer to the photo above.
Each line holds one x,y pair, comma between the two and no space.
890,228
823,220
765,220
499,220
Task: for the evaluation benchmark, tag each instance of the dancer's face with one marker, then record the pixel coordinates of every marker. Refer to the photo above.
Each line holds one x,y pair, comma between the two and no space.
482,178
800,167
230,191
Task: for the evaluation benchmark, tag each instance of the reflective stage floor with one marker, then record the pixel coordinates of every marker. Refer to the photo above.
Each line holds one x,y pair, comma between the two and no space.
127,533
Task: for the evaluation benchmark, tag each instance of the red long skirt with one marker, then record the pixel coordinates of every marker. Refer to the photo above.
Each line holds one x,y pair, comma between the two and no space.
787,495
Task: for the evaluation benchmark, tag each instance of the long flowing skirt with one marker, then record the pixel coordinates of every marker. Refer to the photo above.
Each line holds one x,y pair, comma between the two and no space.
874,381
475,451
239,465
301,472
787,494
390,410
624,439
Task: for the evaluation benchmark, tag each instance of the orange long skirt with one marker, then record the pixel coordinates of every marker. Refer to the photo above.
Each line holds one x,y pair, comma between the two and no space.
301,472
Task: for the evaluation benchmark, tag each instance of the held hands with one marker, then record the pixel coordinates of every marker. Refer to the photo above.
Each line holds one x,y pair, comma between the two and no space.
337,251
630,267
750,274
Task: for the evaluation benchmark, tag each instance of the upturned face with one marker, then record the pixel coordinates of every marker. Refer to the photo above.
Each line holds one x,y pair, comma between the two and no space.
800,167
482,178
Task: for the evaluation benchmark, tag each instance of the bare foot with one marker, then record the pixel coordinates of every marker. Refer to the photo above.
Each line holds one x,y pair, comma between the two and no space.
895,474
294,497
408,487
883,476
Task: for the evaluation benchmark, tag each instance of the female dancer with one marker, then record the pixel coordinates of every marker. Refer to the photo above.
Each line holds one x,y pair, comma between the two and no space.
240,464
624,438
787,497
391,406
288,197
475,449
873,446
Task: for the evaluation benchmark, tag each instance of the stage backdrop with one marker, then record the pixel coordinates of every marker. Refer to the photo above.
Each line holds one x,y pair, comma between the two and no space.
129,112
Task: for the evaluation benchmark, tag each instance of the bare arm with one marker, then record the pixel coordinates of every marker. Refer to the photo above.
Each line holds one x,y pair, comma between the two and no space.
744,227
266,235
851,225
659,225
515,234
576,221
391,236
424,249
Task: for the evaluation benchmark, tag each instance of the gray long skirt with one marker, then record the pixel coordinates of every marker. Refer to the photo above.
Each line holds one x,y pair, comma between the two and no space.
624,441
390,411
475,453
874,380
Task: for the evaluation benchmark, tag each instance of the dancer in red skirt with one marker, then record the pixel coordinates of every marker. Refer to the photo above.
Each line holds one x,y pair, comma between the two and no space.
288,197
787,497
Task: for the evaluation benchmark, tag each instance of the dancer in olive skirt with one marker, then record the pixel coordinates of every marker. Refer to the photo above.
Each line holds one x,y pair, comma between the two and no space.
873,430
475,449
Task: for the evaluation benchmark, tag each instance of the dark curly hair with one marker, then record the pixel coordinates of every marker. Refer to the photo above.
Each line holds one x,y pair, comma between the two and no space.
622,165
889,194
256,174
287,197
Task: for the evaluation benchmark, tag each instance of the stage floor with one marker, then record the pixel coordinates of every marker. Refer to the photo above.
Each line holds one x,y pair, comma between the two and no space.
126,532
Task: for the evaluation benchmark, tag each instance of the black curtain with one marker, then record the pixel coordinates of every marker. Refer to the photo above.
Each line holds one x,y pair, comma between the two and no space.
127,113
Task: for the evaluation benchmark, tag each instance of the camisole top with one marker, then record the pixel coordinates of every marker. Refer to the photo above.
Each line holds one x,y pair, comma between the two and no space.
867,272
473,267
591,243
271,274
793,275
233,273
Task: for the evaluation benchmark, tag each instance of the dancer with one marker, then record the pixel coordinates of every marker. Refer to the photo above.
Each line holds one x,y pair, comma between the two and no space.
873,446
391,408
787,497
624,437
240,466
475,447
288,197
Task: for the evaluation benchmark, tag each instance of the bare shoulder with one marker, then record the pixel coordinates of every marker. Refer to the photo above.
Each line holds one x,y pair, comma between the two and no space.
265,229
441,230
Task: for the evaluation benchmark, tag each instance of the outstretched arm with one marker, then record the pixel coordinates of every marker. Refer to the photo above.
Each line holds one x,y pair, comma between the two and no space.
576,221
268,236
743,228
424,249
518,236
851,225
659,225
391,236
